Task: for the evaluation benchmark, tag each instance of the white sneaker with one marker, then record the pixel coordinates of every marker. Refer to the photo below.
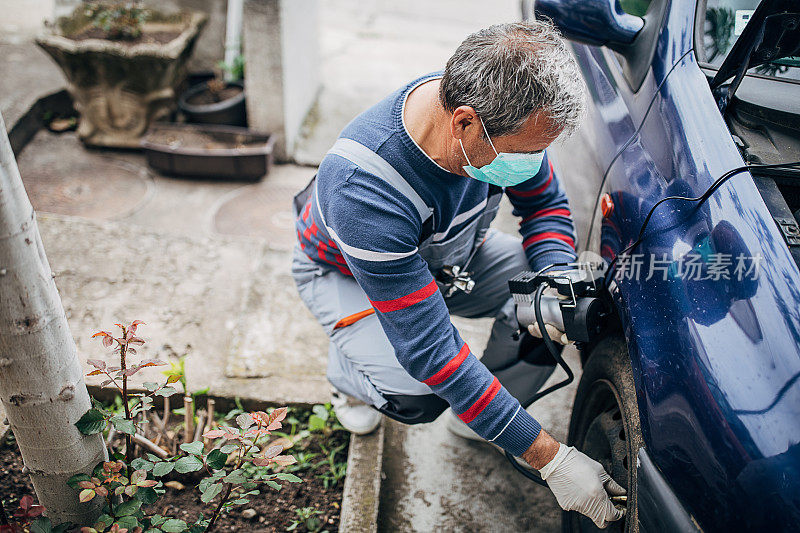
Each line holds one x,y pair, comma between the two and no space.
457,427
355,416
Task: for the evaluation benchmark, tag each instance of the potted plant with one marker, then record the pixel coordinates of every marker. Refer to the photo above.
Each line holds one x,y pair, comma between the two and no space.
218,101
122,62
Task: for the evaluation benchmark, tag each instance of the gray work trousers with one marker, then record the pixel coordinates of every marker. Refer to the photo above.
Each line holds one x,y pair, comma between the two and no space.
362,362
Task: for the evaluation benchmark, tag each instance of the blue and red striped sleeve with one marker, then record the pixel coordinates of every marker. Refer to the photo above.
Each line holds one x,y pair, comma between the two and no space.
376,229
548,233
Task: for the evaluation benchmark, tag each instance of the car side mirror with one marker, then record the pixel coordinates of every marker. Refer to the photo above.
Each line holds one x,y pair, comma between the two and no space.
595,22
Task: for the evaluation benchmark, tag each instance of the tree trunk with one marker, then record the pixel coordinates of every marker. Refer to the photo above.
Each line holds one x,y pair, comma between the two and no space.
41,380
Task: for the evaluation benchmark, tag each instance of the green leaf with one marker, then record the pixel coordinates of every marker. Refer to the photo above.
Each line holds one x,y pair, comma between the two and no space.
239,501
228,448
42,525
195,448
237,476
190,463
147,495
127,508
291,478
142,464
129,522
163,468
149,385
123,425
93,421
216,459
104,521
272,484
157,520
77,478
210,492
315,423
166,392
321,412
173,525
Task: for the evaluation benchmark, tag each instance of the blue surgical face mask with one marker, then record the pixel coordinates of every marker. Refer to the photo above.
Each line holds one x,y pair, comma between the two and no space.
507,169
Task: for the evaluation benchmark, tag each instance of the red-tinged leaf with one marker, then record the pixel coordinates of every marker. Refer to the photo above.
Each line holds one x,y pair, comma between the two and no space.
106,382
261,461
113,466
138,476
173,378
96,481
113,368
214,434
273,451
120,326
35,511
86,495
231,436
101,333
130,490
132,370
95,373
97,363
284,460
136,323
26,502
86,485
147,483
131,351
274,426
153,362
278,414
135,340
108,341
119,490
102,491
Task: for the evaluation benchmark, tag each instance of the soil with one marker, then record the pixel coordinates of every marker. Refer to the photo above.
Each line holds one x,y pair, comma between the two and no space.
207,97
186,138
274,510
147,37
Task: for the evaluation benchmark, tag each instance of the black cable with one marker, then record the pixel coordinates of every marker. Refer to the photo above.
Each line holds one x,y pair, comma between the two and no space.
537,309
700,199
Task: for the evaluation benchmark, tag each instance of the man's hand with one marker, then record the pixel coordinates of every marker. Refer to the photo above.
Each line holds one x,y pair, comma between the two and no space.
578,482
549,320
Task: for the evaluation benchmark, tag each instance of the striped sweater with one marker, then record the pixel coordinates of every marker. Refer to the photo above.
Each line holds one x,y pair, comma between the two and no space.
359,225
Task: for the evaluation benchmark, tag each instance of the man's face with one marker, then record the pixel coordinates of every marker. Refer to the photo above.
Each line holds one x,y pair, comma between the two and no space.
536,135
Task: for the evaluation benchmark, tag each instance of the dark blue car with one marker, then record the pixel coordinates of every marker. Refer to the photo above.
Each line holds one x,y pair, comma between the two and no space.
693,399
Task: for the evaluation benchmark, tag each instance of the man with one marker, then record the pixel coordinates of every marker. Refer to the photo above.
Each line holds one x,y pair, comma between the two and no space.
393,237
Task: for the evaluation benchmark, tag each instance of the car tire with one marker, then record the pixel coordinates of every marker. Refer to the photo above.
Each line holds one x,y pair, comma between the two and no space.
605,425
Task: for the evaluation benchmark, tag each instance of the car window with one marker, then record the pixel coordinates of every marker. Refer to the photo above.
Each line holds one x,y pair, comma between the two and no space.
724,22
635,7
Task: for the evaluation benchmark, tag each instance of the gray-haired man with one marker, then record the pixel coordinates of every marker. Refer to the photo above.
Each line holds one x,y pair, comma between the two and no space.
393,237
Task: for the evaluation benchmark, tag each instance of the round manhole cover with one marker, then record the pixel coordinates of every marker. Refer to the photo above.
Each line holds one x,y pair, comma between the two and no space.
91,187
259,211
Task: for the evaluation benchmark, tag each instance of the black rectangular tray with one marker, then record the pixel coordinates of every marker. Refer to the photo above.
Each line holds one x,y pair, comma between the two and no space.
208,151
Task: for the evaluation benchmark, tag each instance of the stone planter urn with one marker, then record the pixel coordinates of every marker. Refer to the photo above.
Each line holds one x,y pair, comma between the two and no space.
120,86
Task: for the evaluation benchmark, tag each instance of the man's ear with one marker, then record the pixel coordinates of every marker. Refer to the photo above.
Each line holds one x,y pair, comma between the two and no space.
464,119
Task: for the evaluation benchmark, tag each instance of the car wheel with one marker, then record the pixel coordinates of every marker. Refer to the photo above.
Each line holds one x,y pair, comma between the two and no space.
605,426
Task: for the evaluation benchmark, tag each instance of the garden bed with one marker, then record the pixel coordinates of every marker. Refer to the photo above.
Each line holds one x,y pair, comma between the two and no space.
314,504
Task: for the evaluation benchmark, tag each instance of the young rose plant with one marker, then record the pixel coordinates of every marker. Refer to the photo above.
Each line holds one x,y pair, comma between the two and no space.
129,486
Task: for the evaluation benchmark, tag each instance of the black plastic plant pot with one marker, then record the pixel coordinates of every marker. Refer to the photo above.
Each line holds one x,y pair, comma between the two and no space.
207,151
195,104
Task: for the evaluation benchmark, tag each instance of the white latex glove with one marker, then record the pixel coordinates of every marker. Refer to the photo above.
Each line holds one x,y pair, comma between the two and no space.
550,318
580,483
